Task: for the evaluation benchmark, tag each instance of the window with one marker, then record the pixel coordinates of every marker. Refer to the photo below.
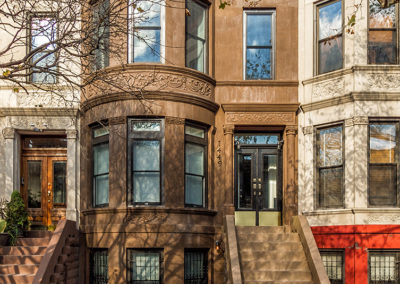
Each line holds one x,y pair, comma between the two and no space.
195,166
99,266
382,34
100,166
384,267
259,44
383,164
196,266
334,265
101,25
145,146
145,266
196,36
330,167
43,35
329,37
147,36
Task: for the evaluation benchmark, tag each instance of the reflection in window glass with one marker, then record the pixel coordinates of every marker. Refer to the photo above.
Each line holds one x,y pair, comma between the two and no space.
194,131
146,126
100,174
196,36
244,181
34,184
270,181
147,31
256,139
43,36
382,36
259,45
330,53
330,146
194,174
59,181
101,23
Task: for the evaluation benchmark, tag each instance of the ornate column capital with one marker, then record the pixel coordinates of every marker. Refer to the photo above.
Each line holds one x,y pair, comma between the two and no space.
229,129
291,130
72,133
9,133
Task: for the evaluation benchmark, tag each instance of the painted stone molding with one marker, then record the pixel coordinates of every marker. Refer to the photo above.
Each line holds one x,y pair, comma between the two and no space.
8,133
331,88
307,130
260,118
174,120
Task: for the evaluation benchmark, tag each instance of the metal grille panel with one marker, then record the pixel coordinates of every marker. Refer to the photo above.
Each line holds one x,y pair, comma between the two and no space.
99,266
333,262
196,267
383,267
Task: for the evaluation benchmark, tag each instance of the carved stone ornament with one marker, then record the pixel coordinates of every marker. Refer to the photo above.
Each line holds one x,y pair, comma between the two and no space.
260,118
291,130
384,219
360,120
45,100
348,122
174,120
307,130
327,89
382,82
8,133
229,129
146,218
117,120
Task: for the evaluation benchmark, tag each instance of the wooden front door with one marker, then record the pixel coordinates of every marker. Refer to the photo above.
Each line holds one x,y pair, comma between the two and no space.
43,185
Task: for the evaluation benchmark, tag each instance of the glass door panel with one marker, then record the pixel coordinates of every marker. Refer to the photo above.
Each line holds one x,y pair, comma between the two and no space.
245,175
270,175
59,182
34,183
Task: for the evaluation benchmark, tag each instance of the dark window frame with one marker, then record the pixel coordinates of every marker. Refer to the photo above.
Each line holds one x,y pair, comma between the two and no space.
132,251
343,267
204,251
189,139
92,251
206,40
397,155
317,168
30,18
96,141
382,252
145,136
317,41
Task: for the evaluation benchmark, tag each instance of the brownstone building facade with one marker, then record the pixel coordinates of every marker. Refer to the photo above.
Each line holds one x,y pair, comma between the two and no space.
212,133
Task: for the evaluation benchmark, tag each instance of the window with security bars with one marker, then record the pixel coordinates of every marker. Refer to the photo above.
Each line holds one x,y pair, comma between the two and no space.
145,266
334,263
196,266
330,167
383,164
98,266
384,267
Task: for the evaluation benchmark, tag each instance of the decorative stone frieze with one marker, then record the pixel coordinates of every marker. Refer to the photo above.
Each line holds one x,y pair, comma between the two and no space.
260,118
146,218
382,81
27,122
44,99
384,219
360,120
174,120
327,89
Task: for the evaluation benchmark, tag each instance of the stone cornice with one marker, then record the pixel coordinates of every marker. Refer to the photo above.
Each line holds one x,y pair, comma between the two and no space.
42,111
175,97
258,83
147,210
253,107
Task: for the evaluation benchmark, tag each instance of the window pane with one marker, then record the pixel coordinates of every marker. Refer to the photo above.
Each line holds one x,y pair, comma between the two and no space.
258,63
146,267
146,45
196,22
34,184
102,131
330,146
45,142
146,126
59,182
382,185
382,47
194,159
258,31
381,17
99,266
146,155
330,20
195,267
256,139
146,186
194,131
194,192
333,262
147,13
195,52
270,180
330,55
382,143
101,37
330,187
244,181
383,267
101,189
100,159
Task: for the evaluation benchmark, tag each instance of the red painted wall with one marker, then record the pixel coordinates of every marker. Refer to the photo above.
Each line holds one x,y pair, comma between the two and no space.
356,240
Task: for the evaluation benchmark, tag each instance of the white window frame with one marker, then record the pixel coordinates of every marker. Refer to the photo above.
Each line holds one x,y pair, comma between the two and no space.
273,38
131,33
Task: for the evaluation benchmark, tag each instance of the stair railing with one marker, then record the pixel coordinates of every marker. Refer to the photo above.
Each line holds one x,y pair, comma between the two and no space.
232,251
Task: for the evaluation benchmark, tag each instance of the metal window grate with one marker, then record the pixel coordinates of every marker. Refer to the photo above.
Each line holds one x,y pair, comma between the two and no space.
196,267
99,266
383,267
145,267
333,262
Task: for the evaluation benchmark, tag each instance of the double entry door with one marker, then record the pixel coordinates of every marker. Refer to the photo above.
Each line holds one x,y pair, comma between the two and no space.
44,187
258,186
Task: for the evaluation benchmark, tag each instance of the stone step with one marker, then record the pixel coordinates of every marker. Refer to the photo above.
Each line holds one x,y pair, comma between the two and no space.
19,269
38,234
282,264
23,250
263,229
277,275
16,278
20,259
255,237
270,246
32,242
275,255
